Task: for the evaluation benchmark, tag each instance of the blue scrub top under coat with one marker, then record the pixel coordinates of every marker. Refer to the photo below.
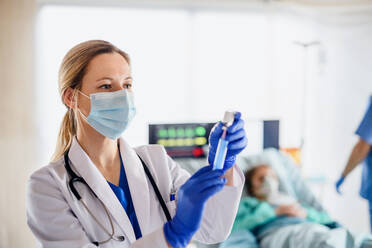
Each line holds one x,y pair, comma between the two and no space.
122,192
365,132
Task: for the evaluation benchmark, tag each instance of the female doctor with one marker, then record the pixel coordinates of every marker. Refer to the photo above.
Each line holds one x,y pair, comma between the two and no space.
99,191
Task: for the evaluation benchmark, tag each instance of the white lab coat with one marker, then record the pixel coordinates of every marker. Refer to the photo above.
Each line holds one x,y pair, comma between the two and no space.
58,219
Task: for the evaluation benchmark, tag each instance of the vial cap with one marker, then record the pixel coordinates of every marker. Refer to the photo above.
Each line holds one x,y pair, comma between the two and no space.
228,118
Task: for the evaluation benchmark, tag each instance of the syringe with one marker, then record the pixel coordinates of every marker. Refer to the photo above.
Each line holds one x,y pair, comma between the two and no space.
219,159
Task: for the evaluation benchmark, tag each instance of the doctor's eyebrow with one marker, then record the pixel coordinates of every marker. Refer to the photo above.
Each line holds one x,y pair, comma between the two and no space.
111,79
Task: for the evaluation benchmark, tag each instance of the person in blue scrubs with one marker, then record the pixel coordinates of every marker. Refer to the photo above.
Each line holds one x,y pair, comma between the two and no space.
362,153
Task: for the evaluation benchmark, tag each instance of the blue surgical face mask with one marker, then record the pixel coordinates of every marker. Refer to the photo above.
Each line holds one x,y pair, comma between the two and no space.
110,112
270,186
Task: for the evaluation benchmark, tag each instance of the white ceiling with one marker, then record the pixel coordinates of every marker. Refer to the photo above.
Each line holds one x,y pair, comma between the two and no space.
211,2
306,7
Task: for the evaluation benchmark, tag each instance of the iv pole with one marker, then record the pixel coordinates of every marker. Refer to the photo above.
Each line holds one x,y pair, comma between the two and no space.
305,48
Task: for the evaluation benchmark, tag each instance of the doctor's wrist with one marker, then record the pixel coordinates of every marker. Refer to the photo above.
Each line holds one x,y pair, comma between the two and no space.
344,175
229,175
177,234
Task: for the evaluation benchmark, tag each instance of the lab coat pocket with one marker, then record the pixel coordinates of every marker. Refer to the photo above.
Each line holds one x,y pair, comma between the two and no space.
171,205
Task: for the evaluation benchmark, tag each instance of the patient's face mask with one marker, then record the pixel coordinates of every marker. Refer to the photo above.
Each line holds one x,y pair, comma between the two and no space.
110,112
270,186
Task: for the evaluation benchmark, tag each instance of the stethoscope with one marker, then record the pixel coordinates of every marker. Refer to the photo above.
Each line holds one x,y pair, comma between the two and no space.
75,178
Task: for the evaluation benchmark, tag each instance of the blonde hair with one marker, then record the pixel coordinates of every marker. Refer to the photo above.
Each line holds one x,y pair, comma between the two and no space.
71,73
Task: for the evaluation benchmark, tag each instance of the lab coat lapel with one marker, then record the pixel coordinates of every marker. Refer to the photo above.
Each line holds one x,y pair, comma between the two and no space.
137,182
93,177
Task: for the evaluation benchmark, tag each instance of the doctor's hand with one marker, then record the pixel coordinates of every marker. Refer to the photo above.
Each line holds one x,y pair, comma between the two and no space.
339,183
235,136
191,199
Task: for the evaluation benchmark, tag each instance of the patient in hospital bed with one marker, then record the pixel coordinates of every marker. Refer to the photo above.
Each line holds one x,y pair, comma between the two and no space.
280,211
271,214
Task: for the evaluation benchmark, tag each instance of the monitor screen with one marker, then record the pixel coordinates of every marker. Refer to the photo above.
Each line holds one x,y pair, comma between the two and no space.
181,139
271,134
185,140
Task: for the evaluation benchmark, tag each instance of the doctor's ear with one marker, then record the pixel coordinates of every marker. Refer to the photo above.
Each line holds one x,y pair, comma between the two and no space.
69,97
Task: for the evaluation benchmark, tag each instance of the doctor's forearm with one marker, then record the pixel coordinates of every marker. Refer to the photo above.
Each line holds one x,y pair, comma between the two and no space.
229,175
359,153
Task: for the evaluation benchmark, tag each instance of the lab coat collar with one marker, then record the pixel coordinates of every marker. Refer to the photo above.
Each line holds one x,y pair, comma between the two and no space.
93,177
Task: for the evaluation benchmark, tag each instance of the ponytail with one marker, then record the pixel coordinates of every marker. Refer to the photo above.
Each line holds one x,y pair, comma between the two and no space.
66,134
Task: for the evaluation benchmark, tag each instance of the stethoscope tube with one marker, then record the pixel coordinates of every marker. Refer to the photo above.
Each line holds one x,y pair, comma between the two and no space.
75,178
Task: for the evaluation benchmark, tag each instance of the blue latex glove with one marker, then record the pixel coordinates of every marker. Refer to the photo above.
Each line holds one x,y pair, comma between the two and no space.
339,183
236,138
191,198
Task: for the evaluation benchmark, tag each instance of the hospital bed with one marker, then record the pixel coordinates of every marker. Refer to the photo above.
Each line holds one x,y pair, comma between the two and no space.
290,179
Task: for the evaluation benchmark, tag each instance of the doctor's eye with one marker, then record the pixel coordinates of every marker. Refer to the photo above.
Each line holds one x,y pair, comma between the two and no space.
105,86
128,86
